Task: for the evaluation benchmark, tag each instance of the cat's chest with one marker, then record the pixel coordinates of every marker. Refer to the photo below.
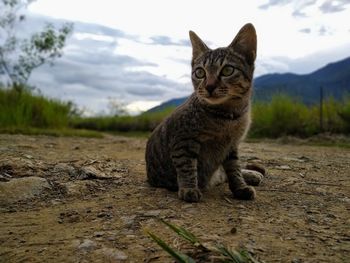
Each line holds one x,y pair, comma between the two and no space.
215,137
218,138
220,132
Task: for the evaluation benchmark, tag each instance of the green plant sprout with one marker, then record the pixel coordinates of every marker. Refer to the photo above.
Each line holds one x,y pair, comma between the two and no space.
219,252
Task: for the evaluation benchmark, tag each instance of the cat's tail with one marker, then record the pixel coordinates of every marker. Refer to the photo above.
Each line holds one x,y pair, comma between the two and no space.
253,174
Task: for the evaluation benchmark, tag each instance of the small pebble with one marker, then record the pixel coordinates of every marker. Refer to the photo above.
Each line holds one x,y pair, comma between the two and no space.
99,234
233,230
87,245
151,213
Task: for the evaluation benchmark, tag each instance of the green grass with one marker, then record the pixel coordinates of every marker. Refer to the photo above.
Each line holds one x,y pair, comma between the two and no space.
283,116
288,116
199,252
23,112
145,122
22,109
52,132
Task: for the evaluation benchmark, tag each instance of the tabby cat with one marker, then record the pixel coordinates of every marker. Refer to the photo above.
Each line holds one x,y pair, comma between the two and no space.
202,135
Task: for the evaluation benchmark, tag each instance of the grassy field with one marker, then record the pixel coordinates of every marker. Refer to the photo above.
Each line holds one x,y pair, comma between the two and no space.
53,132
145,122
282,116
24,112
23,109
288,116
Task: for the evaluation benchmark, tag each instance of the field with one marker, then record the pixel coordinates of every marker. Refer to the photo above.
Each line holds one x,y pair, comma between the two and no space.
31,113
73,199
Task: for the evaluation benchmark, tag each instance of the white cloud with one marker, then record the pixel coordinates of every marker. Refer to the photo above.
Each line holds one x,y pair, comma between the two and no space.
303,65
97,37
95,67
333,6
141,105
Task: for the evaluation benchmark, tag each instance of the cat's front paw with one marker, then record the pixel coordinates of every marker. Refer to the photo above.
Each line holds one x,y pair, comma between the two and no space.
190,194
245,193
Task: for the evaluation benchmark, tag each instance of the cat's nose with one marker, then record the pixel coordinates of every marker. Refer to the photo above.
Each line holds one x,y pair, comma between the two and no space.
210,84
210,88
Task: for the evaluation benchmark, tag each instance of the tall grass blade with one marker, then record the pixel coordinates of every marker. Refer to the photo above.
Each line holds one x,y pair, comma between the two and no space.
234,256
179,257
185,234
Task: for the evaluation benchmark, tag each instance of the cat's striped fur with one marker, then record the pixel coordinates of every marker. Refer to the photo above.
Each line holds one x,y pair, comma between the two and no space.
202,135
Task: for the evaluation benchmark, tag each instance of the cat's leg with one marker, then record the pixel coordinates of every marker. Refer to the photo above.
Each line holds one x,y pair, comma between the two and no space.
236,182
184,157
187,180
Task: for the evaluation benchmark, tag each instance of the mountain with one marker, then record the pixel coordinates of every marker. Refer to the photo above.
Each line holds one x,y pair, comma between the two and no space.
334,79
168,104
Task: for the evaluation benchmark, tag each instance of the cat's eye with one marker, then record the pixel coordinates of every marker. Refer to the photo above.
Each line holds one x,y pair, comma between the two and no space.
227,71
199,73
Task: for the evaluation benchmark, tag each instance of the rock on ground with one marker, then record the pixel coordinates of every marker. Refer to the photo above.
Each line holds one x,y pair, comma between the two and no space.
22,189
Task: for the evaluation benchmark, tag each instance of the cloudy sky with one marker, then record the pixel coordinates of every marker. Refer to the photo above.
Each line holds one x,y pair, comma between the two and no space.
137,52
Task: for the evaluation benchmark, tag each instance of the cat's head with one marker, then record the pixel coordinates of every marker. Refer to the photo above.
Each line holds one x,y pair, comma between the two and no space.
224,75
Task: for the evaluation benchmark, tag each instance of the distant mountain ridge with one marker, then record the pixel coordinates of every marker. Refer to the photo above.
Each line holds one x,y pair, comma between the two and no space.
334,78
168,104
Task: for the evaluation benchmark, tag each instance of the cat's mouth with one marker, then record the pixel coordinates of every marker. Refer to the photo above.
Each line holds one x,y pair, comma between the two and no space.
214,99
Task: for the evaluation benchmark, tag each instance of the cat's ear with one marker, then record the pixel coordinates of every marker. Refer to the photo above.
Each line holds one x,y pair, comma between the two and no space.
245,42
198,46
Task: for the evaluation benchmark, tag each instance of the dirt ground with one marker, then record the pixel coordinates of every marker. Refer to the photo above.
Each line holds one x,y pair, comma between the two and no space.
94,203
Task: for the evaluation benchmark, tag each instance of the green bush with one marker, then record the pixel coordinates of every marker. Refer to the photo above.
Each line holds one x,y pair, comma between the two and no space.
283,115
144,122
288,116
20,108
343,113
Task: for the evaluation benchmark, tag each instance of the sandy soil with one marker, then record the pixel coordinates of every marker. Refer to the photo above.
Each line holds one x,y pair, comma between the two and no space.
95,203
